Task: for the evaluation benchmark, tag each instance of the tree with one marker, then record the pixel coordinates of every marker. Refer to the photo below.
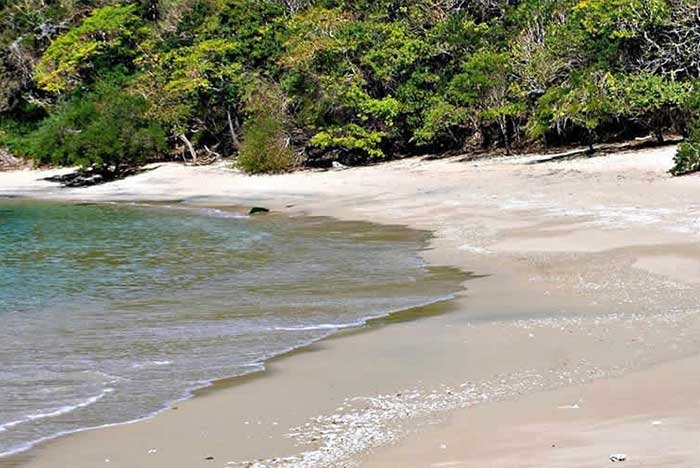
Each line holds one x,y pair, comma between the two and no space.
655,102
441,120
674,49
105,128
584,103
342,74
266,145
613,29
544,51
193,90
359,80
484,88
104,39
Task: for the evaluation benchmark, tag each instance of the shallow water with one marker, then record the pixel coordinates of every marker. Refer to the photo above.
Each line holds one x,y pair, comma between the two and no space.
111,312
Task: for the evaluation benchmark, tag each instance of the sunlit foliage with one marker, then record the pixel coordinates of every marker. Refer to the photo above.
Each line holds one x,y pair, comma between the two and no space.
356,81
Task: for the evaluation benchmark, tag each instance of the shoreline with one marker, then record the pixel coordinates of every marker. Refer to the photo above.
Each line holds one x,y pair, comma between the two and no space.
440,306
550,246
436,306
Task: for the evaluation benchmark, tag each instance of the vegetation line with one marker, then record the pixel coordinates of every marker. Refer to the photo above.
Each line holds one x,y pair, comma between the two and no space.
275,84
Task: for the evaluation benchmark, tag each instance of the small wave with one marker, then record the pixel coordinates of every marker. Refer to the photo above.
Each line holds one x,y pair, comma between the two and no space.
211,212
322,326
108,378
56,412
5,426
141,365
251,367
362,322
216,213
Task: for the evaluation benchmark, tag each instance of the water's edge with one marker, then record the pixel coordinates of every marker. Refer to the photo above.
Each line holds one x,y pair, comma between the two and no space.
441,305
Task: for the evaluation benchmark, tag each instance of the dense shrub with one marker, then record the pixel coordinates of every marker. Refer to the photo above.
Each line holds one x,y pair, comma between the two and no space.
266,143
104,128
687,158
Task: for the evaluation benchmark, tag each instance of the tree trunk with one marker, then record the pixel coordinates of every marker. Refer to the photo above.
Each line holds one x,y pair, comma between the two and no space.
659,133
505,132
234,138
485,140
189,146
153,11
591,150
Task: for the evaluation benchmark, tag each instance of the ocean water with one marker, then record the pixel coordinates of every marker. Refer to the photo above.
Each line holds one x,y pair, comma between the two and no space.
109,313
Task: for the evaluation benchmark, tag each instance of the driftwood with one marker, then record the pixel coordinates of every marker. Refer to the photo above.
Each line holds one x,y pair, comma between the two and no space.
209,157
190,148
201,157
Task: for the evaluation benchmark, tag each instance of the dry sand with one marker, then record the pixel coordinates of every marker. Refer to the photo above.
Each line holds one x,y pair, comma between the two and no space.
580,337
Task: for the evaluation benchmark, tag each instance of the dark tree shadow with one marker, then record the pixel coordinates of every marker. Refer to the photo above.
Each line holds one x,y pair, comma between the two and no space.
95,176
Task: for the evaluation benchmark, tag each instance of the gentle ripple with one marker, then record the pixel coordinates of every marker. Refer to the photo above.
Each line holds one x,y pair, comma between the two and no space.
111,312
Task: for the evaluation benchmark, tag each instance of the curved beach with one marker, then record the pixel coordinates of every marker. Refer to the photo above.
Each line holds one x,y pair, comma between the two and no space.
576,338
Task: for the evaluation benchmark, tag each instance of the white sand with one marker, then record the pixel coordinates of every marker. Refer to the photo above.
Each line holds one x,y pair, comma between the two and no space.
603,249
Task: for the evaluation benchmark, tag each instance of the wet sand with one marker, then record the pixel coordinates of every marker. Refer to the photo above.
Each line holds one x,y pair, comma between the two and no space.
580,329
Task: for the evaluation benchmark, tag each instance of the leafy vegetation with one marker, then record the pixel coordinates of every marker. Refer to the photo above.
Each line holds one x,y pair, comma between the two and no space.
278,83
103,127
688,155
266,147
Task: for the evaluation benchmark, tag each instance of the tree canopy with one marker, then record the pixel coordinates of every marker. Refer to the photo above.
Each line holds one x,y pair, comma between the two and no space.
109,82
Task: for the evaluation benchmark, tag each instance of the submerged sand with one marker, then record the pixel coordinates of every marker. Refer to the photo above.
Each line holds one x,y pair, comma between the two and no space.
577,338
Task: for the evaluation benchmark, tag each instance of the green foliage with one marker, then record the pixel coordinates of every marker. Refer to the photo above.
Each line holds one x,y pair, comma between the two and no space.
620,19
345,73
595,100
103,128
654,101
266,144
350,138
609,29
585,103
484,88
440,120
256,27
108,33
313,37
358,80
186,82
483,73
645,92
687,159
392,49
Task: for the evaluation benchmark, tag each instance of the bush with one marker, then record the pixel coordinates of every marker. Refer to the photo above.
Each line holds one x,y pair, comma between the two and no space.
104,128
351,139
266,145
687,158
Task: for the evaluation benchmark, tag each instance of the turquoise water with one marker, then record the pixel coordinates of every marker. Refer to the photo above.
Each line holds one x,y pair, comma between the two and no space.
110,312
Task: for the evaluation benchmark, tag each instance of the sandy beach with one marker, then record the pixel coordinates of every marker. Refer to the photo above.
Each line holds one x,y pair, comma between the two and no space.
576,336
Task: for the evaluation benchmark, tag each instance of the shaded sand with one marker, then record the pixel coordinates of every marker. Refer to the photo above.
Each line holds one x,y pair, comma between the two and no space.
580,329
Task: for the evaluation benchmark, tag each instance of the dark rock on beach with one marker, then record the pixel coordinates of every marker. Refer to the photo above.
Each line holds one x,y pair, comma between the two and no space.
257,210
